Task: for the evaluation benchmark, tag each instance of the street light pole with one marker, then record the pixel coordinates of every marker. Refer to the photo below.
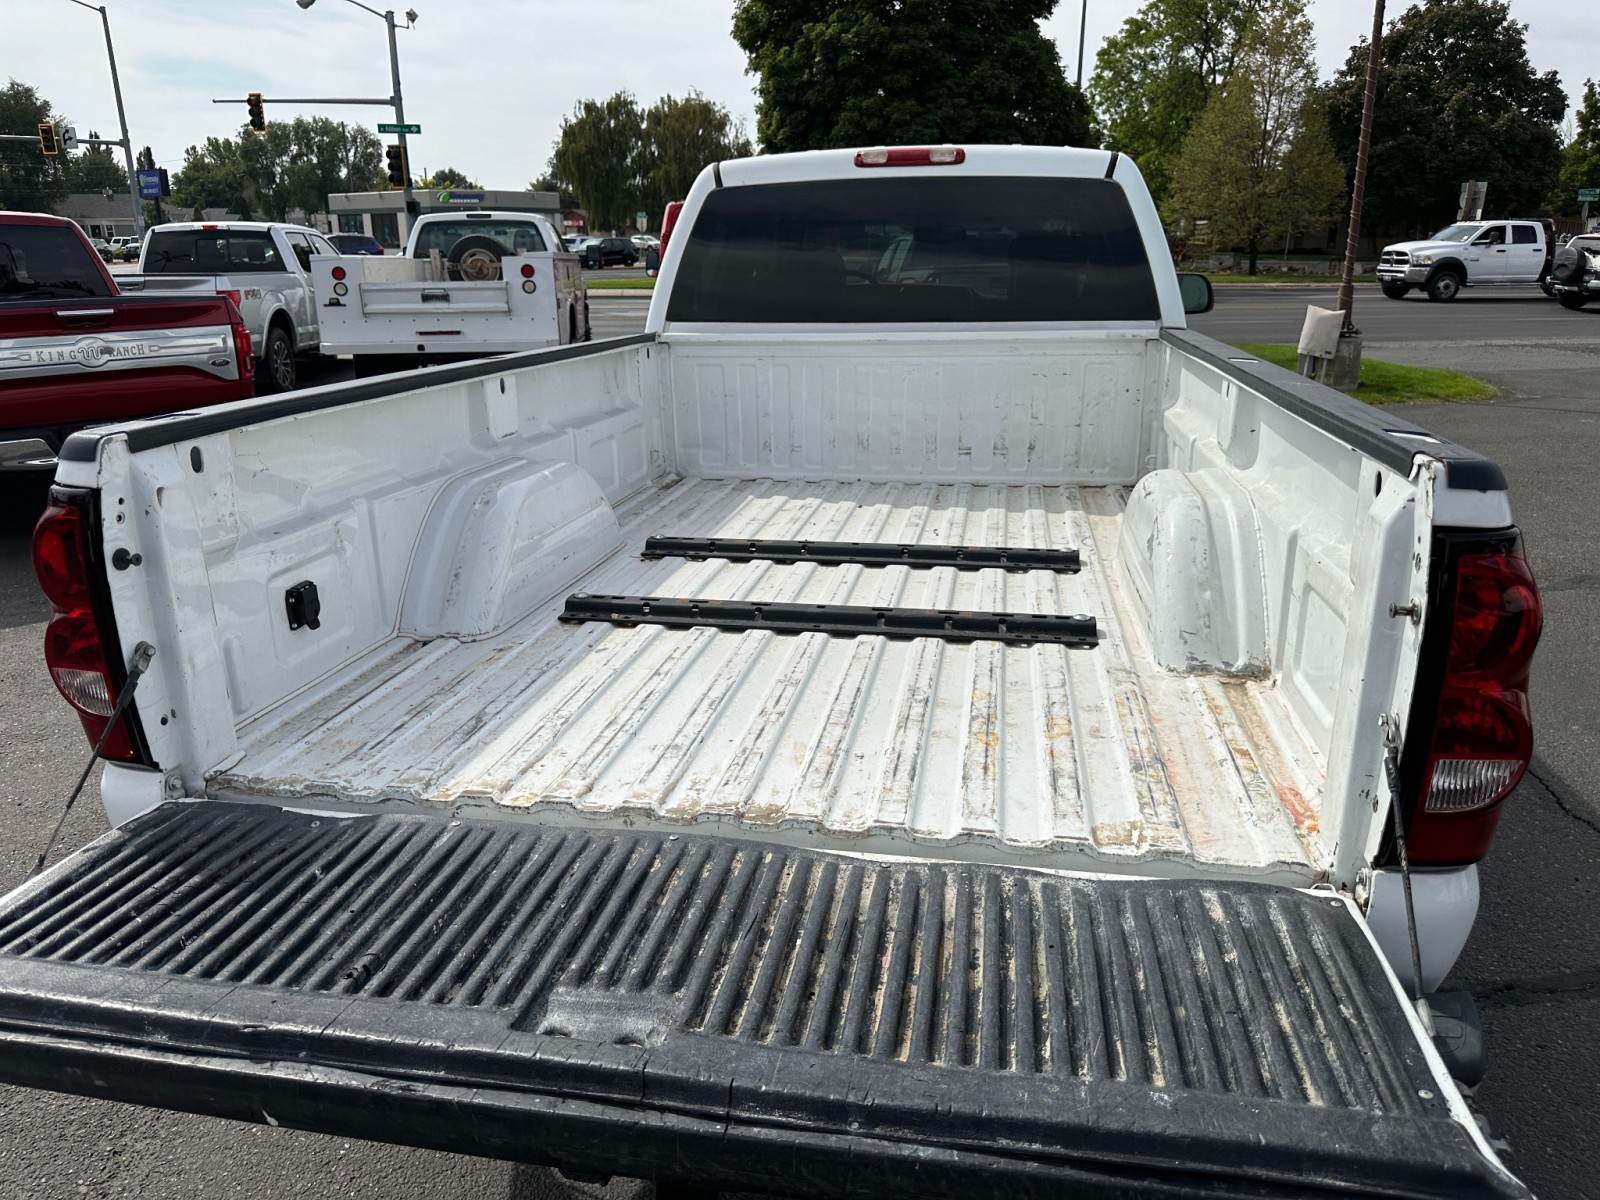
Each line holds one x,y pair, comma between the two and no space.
395,100
122,118
400,112
1083,29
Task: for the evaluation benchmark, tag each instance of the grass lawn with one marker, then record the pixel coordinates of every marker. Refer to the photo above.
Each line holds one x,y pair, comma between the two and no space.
1391,383
602,285
1288,278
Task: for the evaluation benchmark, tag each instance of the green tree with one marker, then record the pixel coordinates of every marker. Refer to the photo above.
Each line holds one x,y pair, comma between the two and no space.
29,180
326,156
681,139
447,177
1258,160
1154,77
1580,161
549,183
1457,100
94,168
865,72
293,165
212,176
601,153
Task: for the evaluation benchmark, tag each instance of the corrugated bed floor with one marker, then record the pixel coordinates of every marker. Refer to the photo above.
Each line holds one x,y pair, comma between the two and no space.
1088,759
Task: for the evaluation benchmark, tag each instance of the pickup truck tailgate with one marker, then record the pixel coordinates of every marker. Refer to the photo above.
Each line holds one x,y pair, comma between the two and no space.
725,1009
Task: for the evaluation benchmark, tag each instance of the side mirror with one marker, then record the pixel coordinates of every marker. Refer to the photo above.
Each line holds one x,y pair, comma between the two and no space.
1197,294
652,260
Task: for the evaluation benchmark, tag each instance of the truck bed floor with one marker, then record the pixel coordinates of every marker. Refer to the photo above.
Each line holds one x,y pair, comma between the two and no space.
1088,758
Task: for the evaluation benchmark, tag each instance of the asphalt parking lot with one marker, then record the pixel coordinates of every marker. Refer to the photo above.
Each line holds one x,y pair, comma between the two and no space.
1533,962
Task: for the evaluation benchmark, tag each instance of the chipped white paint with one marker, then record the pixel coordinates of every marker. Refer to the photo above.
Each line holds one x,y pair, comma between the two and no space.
1091,758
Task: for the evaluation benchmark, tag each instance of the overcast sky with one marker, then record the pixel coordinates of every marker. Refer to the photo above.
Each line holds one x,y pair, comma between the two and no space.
490,80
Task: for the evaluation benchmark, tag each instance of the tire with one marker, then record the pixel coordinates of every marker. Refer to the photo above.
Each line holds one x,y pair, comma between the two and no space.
1396,291
588,326
1572,300
1547,287
1444,286
572,324
475,259
275,372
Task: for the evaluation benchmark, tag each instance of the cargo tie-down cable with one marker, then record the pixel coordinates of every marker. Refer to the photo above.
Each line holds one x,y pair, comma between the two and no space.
142,654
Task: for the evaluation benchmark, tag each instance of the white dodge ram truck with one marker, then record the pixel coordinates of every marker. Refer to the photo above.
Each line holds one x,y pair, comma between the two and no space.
1469,254
935,728
468,284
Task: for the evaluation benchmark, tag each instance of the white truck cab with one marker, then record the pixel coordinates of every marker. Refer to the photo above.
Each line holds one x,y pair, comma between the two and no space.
1468,254
467,284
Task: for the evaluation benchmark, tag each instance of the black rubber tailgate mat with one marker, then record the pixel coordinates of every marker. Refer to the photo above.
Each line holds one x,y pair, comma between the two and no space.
684,1006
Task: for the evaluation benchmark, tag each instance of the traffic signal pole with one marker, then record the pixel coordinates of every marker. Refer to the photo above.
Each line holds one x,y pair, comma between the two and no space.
400,120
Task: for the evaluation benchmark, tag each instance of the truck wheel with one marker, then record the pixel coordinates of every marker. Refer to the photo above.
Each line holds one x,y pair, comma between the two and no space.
572,324
1396,291
275,370
1572,300
475,259
1547,288
1446,285
588,325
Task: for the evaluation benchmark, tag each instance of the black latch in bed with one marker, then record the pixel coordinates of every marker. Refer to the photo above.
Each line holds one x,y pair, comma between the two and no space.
866,554
844,620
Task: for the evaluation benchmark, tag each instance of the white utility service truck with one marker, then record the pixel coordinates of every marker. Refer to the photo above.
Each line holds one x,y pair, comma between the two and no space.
467,284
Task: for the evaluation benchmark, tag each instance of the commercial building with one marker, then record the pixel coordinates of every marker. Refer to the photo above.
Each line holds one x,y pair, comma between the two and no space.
382,215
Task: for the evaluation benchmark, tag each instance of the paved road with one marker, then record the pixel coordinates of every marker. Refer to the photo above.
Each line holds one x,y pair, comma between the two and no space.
1534,959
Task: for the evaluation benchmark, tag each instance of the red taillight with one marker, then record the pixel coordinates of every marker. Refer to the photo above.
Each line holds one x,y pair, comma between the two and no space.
911,156
74,648
1481,739
527,270
338,273
233,294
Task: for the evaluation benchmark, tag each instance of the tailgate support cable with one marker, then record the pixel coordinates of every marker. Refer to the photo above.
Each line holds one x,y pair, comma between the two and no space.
142,654
1391,770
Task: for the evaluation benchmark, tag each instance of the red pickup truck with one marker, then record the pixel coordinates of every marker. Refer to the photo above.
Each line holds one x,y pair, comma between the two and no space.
73,352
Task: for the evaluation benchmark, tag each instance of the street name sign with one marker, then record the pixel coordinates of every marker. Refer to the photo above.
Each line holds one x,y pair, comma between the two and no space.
407,129
1588,195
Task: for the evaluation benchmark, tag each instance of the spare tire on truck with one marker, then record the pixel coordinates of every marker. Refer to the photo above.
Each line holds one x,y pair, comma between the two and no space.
475,259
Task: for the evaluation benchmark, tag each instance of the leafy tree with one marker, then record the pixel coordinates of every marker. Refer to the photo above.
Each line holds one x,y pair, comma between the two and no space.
1258,160
549,183
601,153
447,177
1155,76
682,138
94,168
29,180
293,165
1457,100
864,72
1580,161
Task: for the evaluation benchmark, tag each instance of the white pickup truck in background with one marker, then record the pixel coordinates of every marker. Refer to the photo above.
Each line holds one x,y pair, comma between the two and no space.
467,284
915,723
1470,254
263,267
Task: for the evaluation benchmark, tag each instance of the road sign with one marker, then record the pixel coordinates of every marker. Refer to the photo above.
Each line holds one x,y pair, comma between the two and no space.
1588,195
149,184
640,218
407,129
69,138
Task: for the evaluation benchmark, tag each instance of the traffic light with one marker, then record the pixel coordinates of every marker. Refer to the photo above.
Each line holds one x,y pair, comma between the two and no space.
398,174
258,117
47,138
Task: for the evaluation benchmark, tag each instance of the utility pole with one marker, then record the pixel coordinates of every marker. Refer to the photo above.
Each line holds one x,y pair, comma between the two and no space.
1083,29
1347,286
122,118
400,115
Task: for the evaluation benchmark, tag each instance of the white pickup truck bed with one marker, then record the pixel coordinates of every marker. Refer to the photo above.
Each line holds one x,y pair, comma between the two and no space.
1092,759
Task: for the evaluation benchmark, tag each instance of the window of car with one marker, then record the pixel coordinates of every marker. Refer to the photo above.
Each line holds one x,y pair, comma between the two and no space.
212,252
1492,235
515,237
321,245
1524,235
300,247
47,262
916,250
